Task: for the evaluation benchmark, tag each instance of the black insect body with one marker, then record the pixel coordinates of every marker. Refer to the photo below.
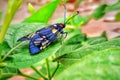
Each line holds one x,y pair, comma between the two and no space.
43,37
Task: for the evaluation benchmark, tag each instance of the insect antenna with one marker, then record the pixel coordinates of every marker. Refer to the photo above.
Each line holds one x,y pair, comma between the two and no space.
77,12
66,21
64,13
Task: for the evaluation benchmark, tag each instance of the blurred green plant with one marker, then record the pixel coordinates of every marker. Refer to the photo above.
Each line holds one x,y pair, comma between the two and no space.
31,8
80,20
117,16
99,12
13,6
113,7
44,13
94,66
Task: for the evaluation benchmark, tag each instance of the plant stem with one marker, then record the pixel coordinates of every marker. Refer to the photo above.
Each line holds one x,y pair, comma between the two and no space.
55,69
8,53
25,75
13,6
39,72
48,69
1,50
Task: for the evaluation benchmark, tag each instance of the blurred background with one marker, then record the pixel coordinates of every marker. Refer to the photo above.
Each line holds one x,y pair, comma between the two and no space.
85,7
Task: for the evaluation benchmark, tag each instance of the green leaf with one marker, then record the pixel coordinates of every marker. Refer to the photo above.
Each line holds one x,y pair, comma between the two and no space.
96,40
44,13
76,39
2,64
117,16
5,48
80,20
113,7
101,65
99,12
21,57
71,44
8,72
19,30
87,49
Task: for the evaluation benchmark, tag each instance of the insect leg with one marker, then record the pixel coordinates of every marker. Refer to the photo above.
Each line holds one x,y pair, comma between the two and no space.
61,37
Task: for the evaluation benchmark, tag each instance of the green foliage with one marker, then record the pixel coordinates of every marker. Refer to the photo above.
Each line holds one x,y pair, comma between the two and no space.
13,6
113,7
97,40
87,49
80,20
117,17
104,8
7,72
73,43
19,30
2,64
91,46
14,56
31,8
102,65
99,12
79,57
44,13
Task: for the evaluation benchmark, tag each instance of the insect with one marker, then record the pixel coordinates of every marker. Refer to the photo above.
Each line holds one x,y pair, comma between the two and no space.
45,36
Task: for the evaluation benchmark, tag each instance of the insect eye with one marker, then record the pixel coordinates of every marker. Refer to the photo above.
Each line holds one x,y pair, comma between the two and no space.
61,25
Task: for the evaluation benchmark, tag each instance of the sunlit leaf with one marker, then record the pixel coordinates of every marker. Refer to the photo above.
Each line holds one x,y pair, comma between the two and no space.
87,49
44,13
101,65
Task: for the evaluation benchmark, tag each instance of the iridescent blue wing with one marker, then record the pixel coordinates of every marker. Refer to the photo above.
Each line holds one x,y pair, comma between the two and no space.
41,40
33,48
29,36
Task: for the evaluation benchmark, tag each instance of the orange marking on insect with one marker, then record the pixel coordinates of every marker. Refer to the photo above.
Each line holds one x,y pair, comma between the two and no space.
54,30
31,35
